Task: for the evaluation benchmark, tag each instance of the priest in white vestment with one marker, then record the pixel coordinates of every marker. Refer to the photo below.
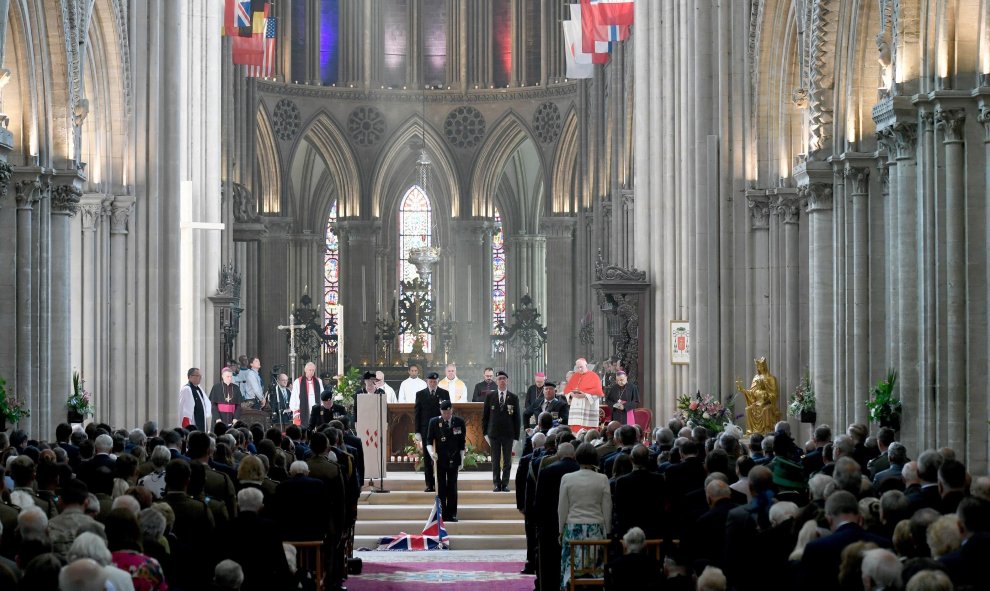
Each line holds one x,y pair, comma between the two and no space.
454,385
411,385
380,382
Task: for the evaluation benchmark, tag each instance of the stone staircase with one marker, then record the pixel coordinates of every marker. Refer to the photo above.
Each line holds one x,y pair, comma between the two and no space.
486,520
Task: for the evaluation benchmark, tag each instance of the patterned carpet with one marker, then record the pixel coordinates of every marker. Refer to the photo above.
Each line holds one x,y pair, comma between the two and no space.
436,571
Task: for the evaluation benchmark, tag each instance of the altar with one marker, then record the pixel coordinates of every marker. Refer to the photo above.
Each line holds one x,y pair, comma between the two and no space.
402,422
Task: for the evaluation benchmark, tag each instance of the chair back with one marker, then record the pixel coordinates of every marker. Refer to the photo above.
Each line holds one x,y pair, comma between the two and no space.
310,559
644,418
586,570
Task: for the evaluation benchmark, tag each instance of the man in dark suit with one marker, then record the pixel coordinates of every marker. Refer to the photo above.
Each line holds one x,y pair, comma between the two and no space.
321,413
548,403
428,406
500,424
302,509
485,387
329,472
742,525
547,496
611,445
967,565
640,498
351,441
102,459
687,475
522,477
261,572
705,540
813,461
193,528
626,436
445,443
820,563
951,485
218,485
534,392
897,458
927,495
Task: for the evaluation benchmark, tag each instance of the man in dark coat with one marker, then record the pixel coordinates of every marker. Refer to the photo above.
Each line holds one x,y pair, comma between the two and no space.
632,490
706,538
485,387
549,403
261,571
967,565
428,406
622,397
547,495
820,563
535,391
445,443
500,424
322,413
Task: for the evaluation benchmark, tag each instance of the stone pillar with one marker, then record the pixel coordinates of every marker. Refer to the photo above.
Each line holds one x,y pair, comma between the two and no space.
28,193
820,253
758,262
561,317
65,205
860,366
789,213
951,122
91,208
840,339
120,212
909,306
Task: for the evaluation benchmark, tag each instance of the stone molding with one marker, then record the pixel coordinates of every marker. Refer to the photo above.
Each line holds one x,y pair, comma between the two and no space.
860,177
428,96
6,171
558,226
28,192
951,122
65,200
905,137
984,118
120,214
787,207
818,197
91,211
759,209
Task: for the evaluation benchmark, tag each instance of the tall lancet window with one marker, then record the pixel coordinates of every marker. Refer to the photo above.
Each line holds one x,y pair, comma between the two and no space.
331,270
498,277
415,230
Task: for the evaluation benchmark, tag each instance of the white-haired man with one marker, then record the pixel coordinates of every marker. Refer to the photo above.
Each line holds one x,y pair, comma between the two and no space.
305,394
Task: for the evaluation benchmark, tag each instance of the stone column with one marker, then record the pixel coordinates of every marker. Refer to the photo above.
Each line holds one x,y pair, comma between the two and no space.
820,253
561,318
28,193
91,208
909,306
951,122
787,209
860,366
758,262
120,213
65,205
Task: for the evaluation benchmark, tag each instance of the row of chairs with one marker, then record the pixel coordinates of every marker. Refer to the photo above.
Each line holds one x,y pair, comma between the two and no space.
585,567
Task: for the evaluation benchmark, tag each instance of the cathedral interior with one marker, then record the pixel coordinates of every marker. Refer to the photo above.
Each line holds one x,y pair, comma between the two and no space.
801,180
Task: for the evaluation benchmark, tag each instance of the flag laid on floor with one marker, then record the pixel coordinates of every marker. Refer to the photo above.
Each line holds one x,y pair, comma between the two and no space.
267,66
434,536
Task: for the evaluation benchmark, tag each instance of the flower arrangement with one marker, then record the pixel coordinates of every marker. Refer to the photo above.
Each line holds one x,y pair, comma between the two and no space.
703,410
347,384
11,408
81,401
414,451
884,407
473,457
803,399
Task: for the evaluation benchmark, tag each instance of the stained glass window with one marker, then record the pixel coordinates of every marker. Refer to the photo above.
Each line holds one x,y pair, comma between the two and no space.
331,271
498,277
415,230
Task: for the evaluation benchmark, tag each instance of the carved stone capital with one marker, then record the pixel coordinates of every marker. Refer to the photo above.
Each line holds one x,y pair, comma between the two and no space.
905,137
6,171
91,215
628,200
860,177
984,118
28,192
120,214
787,208
759,209
65,200
951,123
818,197
558,226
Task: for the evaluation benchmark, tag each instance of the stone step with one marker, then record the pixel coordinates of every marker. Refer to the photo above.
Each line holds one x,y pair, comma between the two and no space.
418,484
464,512
467,497
490,527
460,542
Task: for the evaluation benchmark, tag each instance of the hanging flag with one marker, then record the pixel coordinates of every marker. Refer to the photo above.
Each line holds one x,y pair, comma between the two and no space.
613,12
243,19
267,67
598,50
595,28
250,51
578,63
229,18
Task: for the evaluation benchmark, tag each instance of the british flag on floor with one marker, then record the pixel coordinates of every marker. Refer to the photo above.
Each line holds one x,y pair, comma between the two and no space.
434,536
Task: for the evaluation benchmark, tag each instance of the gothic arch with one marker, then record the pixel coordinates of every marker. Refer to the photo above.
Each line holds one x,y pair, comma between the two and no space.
324,139
268,185
508,135
22,95
395,172
564,174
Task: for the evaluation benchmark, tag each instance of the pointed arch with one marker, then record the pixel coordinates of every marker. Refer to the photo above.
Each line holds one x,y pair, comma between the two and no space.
507,136
564,174
395,173
268,185
325,138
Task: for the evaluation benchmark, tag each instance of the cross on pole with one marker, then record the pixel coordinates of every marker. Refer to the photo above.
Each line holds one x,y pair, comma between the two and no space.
292,343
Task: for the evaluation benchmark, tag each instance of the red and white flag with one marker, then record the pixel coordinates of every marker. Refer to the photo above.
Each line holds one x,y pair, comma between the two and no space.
612,12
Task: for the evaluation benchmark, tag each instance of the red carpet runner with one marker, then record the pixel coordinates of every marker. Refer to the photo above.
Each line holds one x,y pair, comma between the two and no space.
441,575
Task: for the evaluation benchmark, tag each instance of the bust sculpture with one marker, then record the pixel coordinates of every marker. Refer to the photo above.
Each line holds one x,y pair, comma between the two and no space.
761,399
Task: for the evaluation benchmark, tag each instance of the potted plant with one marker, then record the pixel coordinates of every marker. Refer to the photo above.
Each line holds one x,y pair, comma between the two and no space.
12,410
802,404
883,406
473,458
348,384
414,452
80,404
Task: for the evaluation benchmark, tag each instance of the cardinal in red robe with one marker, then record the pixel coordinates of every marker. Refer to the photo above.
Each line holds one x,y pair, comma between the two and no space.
584,392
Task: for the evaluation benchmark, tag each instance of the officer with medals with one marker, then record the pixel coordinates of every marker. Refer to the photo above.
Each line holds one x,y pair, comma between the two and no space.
446,444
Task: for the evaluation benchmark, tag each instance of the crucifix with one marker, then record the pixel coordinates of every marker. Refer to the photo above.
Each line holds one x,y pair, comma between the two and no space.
292,328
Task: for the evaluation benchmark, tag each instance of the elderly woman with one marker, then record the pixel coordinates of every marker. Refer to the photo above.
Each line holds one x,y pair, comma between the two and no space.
124,539
584,508
90,545
155,481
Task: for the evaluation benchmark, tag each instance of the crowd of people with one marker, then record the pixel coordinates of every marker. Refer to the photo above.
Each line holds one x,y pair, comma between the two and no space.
853,512
179,509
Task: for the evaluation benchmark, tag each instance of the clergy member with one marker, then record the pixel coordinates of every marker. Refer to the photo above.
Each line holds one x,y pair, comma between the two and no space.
193,409
535,391
485,387
584,393
411,385
305,393
623,397
454,385
380,382
226,397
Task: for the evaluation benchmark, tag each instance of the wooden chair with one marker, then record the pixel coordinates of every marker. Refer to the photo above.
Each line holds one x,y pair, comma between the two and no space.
309,557
656,547
583,559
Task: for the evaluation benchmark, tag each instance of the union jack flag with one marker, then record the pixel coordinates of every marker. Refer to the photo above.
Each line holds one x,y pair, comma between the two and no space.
434,535
434,525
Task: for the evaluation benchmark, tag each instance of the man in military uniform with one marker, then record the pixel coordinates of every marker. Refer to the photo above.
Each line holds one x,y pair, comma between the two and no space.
500,424
322,413
445,442
427,407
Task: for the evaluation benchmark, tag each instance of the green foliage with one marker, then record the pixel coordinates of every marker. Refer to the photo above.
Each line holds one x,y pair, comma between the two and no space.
81,400
10,407
347,384
883,405
414,451
473,457
803,398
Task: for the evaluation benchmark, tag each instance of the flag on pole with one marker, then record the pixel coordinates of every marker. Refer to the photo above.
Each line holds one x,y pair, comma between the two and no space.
434,525
578,63
597,49
267,67
434,536
243,18
250,51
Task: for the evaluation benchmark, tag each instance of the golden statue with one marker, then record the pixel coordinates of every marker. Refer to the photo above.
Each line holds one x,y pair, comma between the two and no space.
762,413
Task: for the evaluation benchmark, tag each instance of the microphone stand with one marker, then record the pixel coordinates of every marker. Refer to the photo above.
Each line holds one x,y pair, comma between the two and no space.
381,446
